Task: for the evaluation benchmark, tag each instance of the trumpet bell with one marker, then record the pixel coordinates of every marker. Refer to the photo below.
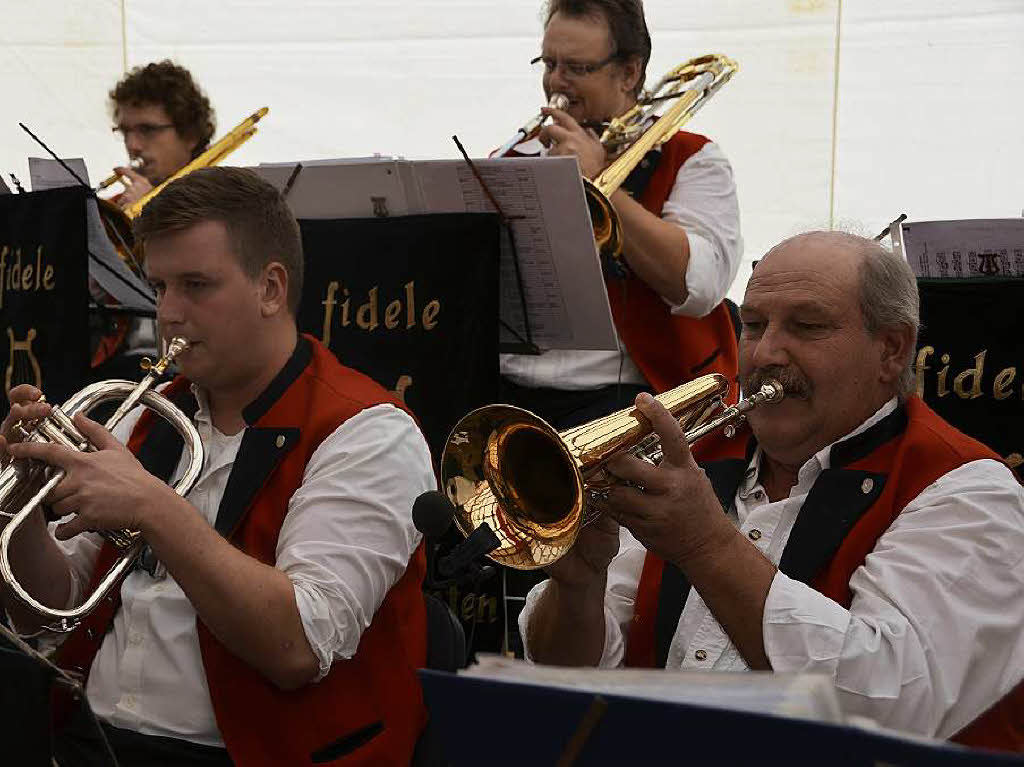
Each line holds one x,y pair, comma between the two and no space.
534,485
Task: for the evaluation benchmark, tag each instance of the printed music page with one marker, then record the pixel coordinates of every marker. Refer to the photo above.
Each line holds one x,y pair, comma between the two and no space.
808,696
342,188
558,262
105,265
972,248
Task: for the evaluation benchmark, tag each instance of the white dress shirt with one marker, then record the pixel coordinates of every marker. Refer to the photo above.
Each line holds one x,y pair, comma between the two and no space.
346,540
703,202
935,632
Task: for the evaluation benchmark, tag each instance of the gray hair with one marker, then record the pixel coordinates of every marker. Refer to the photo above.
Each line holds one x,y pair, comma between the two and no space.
888,293
889,299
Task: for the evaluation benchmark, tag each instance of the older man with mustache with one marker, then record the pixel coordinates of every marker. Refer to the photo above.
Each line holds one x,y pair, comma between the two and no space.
862,537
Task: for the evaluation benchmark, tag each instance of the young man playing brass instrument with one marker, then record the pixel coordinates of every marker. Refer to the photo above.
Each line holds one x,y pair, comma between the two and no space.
680,220
864,537
283,619
165,120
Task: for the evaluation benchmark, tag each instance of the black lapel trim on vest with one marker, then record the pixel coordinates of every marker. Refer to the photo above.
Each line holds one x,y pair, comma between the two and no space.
700,366
261,450
638,179
160,452
837,500
301,356
725,477
853,449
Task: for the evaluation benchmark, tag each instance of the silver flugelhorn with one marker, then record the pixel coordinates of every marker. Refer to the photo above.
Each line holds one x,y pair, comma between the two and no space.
25,483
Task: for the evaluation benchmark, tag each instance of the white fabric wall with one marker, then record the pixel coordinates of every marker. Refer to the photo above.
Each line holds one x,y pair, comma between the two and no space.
928,119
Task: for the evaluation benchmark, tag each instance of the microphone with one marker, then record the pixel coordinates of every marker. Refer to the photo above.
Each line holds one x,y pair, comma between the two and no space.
432,514
479,543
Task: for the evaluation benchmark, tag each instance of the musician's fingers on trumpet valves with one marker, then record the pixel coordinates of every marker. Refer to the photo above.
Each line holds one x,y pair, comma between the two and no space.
106,489
670,508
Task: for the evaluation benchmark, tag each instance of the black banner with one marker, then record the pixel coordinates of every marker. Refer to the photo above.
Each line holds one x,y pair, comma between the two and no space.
970,359
411,302
44,299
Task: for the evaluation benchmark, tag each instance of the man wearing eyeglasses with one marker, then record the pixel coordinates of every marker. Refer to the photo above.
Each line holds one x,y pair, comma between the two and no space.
165,120
679,215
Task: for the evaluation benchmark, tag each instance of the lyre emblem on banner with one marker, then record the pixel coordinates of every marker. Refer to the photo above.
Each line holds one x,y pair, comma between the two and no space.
403,383
18,374
988,265
380,207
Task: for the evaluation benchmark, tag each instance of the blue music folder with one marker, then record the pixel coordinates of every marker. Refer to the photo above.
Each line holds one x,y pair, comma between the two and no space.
486,722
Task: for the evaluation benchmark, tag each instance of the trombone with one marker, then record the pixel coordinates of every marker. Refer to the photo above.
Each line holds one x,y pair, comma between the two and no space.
631,135
113,178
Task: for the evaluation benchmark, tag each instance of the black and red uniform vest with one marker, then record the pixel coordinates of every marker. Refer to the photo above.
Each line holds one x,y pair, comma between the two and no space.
668,349
872,477
369,709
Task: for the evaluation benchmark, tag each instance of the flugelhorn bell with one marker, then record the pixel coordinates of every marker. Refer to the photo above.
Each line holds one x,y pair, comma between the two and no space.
25,483
534,486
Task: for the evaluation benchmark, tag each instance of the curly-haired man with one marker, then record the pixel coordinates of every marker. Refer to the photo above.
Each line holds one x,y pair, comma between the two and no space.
166,121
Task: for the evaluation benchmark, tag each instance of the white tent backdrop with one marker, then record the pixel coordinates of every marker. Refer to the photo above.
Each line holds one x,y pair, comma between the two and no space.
842,114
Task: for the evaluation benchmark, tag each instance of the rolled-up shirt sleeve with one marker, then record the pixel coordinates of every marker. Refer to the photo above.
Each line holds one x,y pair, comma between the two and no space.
933,634
348,535
703,202
619,600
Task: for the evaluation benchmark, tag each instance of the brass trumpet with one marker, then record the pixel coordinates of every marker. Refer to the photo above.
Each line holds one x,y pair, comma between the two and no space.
535,486
24,483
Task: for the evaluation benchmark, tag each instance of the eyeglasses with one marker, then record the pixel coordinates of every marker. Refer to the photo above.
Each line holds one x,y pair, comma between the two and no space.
573,68
145,130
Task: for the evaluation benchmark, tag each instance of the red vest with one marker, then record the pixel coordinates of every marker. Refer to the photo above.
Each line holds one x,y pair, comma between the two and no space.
904,464
670,349
373,697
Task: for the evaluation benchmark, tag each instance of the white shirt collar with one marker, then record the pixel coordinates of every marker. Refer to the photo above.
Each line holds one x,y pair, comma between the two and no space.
820,460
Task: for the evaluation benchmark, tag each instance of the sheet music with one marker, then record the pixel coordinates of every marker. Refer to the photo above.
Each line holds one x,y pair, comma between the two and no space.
559,265
45,173
561,272
341,189
809,696
112,273
971,248
108,269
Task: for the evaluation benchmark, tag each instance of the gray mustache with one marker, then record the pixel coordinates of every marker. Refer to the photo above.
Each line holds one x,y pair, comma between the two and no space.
793,382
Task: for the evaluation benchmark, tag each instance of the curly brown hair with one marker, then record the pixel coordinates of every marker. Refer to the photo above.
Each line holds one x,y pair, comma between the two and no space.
172,87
